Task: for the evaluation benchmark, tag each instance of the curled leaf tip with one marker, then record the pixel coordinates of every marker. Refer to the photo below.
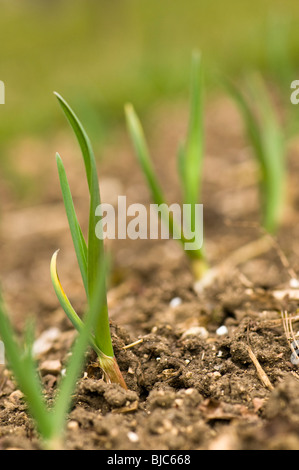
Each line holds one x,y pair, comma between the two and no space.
58,157
129,108
61,295
55,253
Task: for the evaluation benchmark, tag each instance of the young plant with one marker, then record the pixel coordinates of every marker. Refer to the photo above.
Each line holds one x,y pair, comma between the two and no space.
50,422
190,159
268,142
90,256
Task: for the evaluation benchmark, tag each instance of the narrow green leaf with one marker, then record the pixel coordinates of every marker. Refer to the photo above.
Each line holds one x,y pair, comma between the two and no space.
95,245
268,144
250,121
81,135
66,304
142,153
193,151
77,236
181,165
278,42
95,252
23,368
76,361
29,336
273,140
61,295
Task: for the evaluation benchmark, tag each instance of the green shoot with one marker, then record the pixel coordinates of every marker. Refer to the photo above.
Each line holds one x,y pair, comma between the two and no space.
268,143
190,158
50,423
278,42
91,256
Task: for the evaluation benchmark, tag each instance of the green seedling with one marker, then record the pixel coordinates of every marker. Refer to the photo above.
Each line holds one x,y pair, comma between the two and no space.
190,159
268,142
50,421
278,45
89,256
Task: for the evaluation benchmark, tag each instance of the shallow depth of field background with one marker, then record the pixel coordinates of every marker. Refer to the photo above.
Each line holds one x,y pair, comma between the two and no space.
102,53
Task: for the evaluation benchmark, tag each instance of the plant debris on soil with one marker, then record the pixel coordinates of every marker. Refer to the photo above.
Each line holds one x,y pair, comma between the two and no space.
206,368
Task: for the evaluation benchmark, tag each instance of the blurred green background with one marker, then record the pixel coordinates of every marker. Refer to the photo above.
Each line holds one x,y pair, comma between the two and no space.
100,54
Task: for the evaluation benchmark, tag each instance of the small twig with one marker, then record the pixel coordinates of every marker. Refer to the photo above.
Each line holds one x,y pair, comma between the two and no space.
275,321
260,371
249,251
292,294
292,332
289,332
133,344
284,260
284,318
246,252
282,256
244,224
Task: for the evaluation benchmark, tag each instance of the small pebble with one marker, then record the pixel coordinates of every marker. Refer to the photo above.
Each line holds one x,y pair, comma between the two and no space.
45,342
189,391
196,331
294,283
15,396
73,425
216,374
222,330
175,302
133,437
179,402
51,367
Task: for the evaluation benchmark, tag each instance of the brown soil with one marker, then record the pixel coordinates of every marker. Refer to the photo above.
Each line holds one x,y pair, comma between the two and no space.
189,387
